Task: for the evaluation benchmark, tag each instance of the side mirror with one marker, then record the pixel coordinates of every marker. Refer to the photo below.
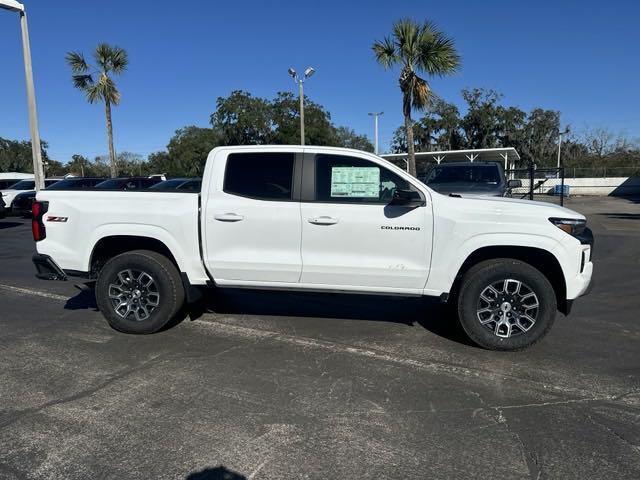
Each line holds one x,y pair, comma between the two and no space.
407,198
514,183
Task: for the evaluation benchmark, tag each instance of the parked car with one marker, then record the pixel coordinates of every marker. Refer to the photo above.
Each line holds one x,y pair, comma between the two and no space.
6,184
22,186
23,201
127,183
178,185
7,179
470,178
318,219
3,210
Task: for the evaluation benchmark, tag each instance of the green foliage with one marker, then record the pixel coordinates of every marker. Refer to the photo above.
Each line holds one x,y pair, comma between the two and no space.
348,138
16,155
53,168
285,114
188,150
486,124
242,119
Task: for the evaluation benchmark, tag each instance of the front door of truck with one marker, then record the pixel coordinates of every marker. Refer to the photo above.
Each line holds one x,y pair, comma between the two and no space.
352,234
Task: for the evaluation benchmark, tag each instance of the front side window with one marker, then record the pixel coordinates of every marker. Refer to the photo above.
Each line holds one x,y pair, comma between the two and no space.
263,176
344,179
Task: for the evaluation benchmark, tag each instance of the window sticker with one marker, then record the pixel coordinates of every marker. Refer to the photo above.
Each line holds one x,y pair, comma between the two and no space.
355,182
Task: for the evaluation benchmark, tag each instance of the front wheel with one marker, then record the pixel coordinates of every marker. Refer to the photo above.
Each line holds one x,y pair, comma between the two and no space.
506,304
139,291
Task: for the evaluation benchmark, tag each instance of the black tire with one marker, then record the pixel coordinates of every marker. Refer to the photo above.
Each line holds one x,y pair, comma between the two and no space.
166,291
521,332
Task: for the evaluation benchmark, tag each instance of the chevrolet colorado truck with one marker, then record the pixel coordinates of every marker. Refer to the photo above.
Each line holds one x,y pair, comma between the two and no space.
317,219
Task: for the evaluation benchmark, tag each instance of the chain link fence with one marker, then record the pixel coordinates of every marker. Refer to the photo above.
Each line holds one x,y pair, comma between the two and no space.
546,184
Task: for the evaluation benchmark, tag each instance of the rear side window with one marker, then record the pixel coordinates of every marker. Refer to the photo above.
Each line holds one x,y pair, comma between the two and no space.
264,176
344,179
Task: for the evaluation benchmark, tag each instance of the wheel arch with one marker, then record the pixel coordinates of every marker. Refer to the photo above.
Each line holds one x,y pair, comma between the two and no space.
541,259
109,246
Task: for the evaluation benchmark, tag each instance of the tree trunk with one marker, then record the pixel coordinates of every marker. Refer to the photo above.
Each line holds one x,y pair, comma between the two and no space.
112,153
411,159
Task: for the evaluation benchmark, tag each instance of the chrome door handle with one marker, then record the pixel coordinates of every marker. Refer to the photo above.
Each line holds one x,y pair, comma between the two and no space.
323,220
228,217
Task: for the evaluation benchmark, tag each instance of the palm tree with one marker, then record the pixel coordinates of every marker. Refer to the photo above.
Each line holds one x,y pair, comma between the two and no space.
97,84
416,48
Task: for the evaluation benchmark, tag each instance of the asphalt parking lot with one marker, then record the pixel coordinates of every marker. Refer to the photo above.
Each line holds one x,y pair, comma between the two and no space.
281,385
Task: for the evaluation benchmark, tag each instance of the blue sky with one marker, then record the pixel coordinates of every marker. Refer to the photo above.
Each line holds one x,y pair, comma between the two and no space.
579,57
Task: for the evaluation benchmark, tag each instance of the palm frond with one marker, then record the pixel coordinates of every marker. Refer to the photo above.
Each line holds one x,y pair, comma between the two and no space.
108,89
93,93
406,33
77,62
82,81
385,52
437,53
111,59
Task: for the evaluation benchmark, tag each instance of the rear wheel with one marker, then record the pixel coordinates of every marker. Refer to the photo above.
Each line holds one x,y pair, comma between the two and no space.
505,304
139,291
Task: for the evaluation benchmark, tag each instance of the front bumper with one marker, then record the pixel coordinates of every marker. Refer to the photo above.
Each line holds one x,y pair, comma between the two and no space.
47,268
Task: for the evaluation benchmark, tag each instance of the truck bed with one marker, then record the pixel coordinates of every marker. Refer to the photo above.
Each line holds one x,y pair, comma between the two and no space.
90,215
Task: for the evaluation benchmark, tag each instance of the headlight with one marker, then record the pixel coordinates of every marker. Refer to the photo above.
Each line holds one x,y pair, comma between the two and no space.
571,226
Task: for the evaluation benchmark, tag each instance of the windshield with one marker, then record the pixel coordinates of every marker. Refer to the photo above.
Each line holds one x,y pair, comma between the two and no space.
479,174
24,185
109,184
168,184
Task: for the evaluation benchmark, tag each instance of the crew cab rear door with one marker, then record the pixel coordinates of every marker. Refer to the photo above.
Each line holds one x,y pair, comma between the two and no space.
352,235
251,218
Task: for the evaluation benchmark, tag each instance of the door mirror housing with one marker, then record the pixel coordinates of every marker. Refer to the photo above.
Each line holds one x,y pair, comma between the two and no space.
514,183
407,198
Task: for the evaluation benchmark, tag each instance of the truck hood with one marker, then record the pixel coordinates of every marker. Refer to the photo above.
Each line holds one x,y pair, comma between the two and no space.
527,207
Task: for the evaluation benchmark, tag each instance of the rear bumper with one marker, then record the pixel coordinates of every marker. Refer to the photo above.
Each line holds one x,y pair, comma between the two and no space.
47,268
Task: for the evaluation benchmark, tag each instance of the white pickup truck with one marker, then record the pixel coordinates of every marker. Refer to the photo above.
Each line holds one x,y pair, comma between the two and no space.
317,219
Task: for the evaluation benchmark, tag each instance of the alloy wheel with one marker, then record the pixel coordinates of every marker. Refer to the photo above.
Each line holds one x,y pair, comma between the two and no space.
508,308
134,295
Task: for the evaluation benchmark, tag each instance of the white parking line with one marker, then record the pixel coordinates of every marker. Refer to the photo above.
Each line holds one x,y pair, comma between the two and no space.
28,291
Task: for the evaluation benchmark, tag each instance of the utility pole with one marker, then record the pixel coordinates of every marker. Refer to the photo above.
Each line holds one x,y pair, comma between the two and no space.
300,81
375,130
566,130
38,170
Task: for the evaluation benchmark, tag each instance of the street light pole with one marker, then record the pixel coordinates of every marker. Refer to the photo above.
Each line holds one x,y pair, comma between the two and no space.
300,81
31,96
301,98
375,130
566,130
